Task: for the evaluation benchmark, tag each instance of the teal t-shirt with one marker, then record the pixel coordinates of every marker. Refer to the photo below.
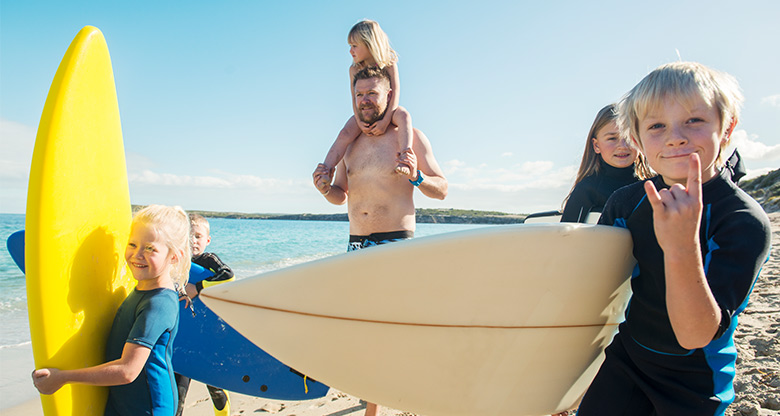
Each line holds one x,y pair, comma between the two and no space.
150,319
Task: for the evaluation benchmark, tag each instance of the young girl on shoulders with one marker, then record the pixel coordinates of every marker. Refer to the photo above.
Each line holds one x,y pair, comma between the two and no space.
139,346
369,46
609,162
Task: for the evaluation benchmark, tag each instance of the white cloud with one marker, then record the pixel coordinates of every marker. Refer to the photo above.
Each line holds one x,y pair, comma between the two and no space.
752,149
507,154
773,100
218,180
18,141
533,175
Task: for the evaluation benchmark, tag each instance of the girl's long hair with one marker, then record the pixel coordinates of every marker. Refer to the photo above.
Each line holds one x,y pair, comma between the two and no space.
590,164
369,33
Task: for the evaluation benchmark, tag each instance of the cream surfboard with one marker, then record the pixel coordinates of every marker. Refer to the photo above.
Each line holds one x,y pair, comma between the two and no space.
507,320
77,221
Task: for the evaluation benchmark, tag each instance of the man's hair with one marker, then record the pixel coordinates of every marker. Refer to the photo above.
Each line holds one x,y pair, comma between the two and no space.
681,81
197,219
372,72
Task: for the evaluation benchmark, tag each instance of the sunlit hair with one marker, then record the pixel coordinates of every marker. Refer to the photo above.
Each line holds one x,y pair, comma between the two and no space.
370,34
372,72
197,219
682,81
590,164
173,226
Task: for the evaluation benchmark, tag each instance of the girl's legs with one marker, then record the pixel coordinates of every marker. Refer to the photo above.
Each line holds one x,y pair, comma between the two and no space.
346,136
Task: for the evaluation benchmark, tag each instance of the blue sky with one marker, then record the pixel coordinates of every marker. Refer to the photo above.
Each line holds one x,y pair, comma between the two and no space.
230,105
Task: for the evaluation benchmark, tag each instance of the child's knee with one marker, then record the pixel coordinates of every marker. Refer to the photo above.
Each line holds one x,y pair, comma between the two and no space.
401,116
351,129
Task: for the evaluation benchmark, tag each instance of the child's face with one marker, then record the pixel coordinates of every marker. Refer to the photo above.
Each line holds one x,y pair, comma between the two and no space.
672,131
149,258
359,51
200,239
614,149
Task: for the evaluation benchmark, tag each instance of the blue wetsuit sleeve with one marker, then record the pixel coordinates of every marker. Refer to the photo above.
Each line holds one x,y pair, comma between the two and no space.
222,273
735,250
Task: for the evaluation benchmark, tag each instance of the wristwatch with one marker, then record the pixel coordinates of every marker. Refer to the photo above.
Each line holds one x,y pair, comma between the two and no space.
419,179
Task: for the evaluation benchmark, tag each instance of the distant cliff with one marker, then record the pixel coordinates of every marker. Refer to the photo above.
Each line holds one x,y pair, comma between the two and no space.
424,215
765,189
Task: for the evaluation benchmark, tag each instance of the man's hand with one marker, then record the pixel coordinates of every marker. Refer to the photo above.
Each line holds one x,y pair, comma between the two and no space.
322,177
677,210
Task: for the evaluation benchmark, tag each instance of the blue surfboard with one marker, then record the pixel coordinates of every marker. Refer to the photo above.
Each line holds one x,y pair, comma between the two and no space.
210,351
15,245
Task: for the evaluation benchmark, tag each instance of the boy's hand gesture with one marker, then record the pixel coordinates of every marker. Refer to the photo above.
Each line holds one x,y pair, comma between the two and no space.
677,211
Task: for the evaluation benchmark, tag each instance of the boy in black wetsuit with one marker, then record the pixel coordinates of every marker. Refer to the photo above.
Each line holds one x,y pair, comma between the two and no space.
201,237
699,242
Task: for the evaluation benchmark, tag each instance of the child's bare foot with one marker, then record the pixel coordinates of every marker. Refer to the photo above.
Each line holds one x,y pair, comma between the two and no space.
402,169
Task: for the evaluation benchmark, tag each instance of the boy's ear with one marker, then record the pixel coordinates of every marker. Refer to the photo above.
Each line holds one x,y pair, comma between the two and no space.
731,127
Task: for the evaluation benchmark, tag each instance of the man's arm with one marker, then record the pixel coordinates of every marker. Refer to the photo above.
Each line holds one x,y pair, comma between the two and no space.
434,184
336,193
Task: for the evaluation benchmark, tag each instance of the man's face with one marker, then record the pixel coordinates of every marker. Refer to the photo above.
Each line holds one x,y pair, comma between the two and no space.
371,98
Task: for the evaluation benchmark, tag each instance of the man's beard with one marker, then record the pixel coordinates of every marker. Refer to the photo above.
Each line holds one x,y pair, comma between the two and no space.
373,118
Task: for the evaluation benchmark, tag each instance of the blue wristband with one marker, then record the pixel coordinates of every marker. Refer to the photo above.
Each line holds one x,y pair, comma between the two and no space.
419,179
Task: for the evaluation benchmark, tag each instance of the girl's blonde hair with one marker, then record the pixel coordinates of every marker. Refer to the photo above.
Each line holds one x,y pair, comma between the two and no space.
590,159
682,81
370,34
173,226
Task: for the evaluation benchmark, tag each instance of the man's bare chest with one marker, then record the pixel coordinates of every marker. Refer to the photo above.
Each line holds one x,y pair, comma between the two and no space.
372,154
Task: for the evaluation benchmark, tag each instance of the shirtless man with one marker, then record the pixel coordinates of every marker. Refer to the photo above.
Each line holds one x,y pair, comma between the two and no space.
379,200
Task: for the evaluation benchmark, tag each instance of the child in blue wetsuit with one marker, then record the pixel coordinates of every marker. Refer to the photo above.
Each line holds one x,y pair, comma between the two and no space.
609,162
201,237
699,242
138,351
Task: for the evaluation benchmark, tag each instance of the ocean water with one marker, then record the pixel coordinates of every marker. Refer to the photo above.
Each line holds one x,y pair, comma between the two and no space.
249,247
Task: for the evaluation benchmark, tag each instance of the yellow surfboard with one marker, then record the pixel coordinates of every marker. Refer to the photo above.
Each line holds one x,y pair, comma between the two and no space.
77,222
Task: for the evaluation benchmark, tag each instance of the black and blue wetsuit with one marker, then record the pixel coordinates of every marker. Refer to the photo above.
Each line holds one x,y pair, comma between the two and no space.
646,371
222,274
591,194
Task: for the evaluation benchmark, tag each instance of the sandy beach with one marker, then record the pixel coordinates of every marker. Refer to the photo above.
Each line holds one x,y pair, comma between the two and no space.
757,383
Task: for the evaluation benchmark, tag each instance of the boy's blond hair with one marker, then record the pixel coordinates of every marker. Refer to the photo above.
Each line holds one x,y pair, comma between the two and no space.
682,81
197,219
